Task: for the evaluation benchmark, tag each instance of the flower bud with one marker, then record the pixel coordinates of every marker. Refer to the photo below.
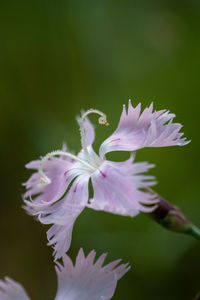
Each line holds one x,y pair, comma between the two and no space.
172,218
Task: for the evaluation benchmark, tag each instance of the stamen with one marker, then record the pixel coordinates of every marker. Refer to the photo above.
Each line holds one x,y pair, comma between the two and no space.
44,179
101,120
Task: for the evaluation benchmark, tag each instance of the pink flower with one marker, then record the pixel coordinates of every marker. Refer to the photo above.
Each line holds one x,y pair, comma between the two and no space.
119,187
85,281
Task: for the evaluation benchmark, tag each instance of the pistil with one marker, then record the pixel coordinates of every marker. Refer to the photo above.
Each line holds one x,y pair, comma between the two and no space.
101,120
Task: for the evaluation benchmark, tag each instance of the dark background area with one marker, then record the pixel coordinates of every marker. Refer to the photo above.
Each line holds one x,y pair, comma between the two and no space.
57,57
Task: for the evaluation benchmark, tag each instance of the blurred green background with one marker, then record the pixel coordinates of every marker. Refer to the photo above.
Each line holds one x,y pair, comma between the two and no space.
57,57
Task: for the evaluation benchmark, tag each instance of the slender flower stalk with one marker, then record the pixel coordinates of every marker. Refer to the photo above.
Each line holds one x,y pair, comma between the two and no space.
172,218
57,192
86,280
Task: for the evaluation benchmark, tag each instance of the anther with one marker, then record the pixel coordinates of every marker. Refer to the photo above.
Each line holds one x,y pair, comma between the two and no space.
102,120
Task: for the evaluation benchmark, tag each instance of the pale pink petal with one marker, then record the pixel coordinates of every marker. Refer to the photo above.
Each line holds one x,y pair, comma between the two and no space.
12,290
117,188
33,165
58,171
43,201
63,215
148,129
60,202
88,130
88,280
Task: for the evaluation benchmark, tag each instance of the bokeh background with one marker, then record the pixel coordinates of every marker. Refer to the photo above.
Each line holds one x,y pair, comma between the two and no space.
57,57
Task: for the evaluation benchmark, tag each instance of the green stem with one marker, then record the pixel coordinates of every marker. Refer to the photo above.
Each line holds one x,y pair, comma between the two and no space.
193,231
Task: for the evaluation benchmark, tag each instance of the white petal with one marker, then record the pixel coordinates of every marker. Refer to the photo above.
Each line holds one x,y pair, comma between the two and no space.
88,280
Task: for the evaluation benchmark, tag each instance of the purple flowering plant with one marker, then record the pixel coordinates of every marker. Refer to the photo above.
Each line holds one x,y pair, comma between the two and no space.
57,192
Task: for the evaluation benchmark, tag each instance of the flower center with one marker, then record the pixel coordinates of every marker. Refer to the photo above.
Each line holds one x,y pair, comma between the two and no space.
90,163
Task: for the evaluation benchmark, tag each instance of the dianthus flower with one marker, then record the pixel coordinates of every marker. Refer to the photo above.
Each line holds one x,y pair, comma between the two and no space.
58,191
84,281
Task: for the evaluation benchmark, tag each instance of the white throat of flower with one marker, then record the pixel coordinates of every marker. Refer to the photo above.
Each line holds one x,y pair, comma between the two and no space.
91,165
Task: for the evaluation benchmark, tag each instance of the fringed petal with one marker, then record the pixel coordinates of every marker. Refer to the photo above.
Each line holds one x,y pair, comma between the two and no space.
63,215
147,129
57,170
88,280
118,188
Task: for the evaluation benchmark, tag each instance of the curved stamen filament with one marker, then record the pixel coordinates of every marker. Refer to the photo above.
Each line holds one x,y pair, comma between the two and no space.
101,120
44,179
